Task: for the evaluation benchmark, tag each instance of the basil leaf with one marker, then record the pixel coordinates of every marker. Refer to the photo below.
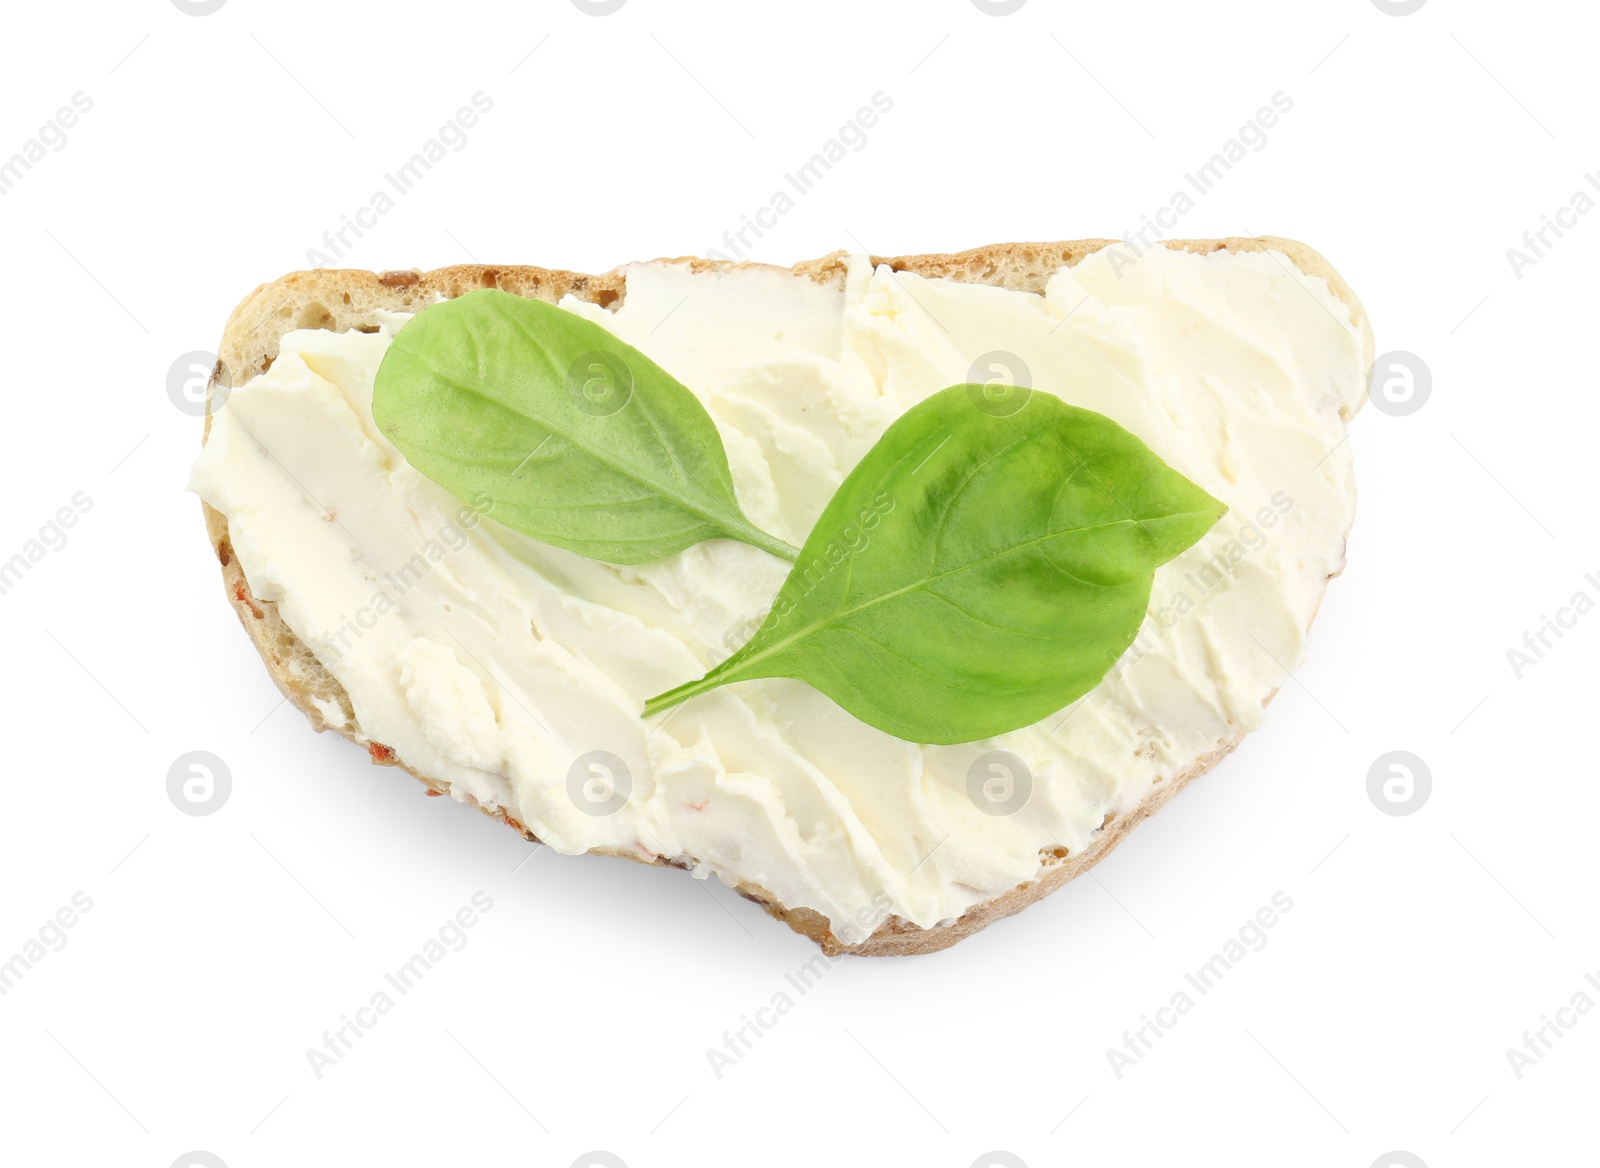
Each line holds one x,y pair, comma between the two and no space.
983,566
554,427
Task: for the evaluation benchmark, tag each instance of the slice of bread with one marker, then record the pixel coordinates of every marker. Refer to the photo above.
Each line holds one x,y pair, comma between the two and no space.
343,300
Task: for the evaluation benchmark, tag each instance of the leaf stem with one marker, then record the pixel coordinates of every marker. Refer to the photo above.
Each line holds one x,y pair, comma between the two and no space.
682,693
771,544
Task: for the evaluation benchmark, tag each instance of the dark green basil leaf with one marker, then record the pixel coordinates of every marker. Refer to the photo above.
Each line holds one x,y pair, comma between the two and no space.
552,426
985,565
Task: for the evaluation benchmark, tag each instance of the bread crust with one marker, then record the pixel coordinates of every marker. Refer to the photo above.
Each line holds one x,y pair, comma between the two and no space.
342,299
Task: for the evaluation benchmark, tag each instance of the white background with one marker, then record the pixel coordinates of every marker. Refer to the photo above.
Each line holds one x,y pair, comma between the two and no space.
220,148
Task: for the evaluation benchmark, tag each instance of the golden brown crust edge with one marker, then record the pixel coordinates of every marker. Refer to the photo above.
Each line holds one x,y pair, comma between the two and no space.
345,299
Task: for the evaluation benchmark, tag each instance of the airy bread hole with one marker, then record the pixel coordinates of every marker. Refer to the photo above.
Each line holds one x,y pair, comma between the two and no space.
314,316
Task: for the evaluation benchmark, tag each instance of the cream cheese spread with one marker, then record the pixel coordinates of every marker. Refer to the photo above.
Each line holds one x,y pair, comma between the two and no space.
516,672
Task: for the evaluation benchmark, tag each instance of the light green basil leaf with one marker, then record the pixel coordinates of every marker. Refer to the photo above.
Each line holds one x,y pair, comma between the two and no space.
552,426
983,566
